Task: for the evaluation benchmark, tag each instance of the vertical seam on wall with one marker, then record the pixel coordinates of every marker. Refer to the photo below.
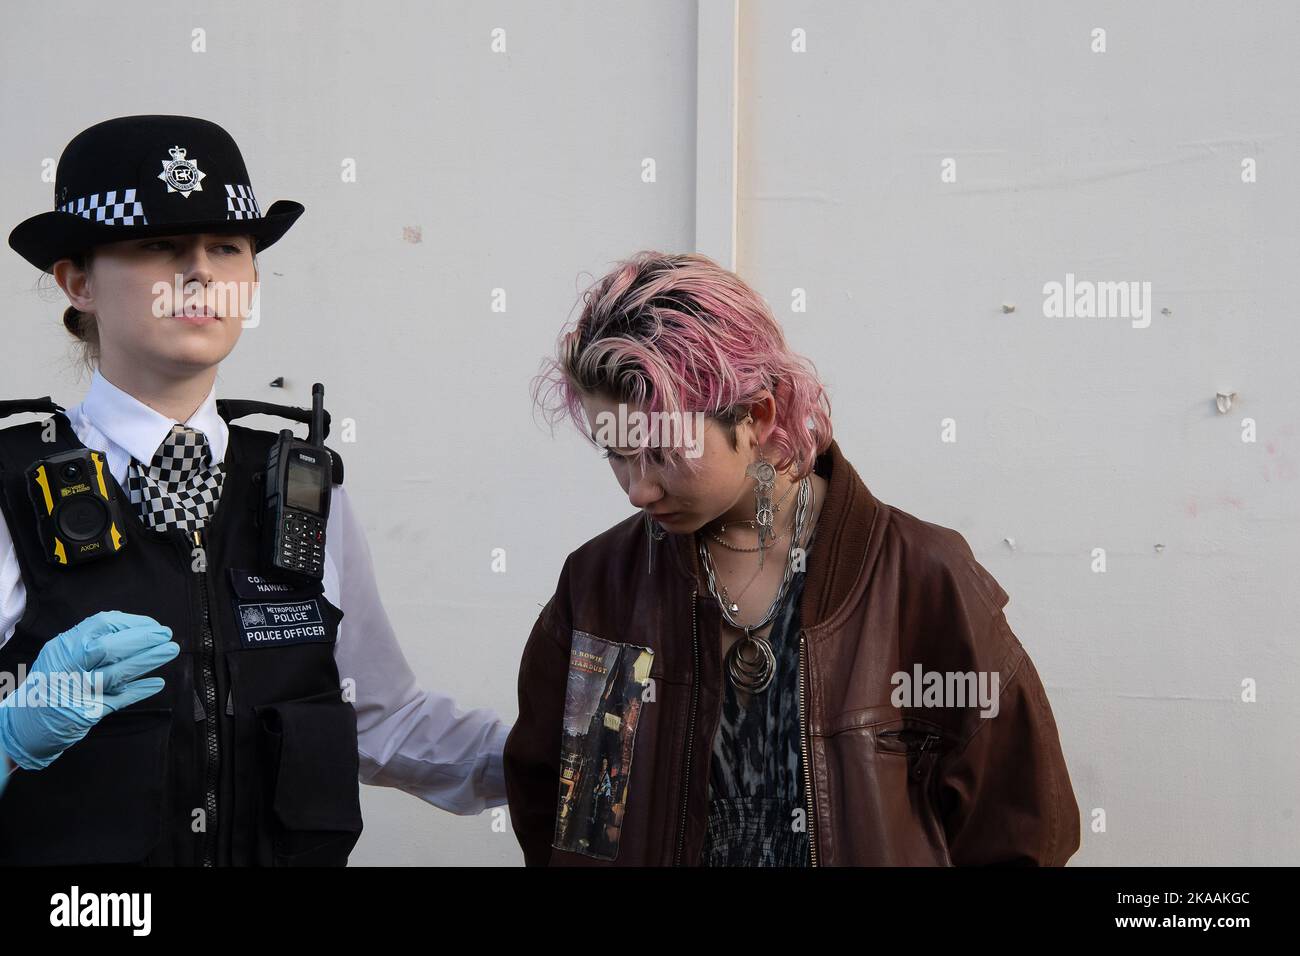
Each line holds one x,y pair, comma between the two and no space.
717,68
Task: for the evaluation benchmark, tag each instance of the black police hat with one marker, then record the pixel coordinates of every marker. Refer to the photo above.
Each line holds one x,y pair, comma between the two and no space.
139,176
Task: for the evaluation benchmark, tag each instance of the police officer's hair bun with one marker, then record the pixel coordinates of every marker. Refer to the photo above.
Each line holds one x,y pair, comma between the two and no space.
85,329
72,322
82,326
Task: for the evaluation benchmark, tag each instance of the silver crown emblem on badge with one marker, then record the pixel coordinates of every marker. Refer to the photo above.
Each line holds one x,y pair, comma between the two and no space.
180,174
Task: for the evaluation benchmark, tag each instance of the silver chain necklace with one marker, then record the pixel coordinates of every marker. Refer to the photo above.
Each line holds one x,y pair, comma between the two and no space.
751,664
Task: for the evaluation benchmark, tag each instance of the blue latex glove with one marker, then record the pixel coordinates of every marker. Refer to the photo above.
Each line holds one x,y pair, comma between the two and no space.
89,671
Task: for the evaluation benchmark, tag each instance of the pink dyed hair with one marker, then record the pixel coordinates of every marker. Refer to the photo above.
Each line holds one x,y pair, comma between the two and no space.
679,333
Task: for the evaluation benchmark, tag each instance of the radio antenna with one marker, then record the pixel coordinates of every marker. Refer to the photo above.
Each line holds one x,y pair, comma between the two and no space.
316,431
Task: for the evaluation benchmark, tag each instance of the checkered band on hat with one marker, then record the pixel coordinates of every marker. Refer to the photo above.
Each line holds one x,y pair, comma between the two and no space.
240,203
117,207
180,487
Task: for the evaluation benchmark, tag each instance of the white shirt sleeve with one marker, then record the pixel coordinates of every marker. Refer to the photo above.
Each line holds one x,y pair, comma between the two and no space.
13,594
409,738
13,601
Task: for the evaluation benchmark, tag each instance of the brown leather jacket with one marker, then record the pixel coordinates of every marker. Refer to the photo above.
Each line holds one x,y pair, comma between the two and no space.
916,785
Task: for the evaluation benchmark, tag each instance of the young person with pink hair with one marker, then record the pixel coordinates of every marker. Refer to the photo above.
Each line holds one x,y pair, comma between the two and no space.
717,678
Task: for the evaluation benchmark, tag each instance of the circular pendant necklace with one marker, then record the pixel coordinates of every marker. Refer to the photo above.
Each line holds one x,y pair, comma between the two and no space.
751,663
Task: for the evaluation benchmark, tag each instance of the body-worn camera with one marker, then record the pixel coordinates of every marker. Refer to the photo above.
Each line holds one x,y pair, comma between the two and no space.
297,504
77,506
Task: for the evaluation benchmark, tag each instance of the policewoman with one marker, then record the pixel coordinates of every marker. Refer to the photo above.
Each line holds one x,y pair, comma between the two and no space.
171,698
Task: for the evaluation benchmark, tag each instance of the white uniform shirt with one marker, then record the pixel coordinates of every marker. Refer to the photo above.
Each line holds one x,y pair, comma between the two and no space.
408,738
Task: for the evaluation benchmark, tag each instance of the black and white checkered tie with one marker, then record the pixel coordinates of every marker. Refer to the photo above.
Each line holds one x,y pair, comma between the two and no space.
181,486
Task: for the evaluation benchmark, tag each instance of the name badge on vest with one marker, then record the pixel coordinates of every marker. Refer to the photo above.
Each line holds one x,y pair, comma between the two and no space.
273,613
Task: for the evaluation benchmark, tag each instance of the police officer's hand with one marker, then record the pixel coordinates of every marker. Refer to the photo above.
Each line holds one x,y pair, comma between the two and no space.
79,677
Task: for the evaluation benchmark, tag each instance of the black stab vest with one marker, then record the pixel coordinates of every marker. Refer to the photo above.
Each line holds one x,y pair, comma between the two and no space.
248,756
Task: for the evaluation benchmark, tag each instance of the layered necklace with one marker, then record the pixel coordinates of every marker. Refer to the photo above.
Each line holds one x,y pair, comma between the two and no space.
751,663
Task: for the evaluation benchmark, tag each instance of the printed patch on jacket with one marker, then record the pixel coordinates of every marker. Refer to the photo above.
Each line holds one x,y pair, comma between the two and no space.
602,703
273,613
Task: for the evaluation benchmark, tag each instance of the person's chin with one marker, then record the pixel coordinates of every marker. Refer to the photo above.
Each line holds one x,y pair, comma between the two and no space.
199,352
678,522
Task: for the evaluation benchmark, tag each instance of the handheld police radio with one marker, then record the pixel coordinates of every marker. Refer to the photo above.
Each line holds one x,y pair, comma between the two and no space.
297,503
77,507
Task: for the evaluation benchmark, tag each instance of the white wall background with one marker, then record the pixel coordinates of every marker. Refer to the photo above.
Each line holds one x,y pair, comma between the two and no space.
1072,434
522,171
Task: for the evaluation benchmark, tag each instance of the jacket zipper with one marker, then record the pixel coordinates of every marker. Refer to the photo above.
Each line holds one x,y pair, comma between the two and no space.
690,732
803,743
210,717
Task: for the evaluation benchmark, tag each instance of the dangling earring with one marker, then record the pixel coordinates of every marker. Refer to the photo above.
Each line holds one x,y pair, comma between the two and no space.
654,533
764,476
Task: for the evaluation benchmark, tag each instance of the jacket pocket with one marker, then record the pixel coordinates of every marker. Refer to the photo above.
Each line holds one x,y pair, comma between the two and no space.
917,741
103,800
310,808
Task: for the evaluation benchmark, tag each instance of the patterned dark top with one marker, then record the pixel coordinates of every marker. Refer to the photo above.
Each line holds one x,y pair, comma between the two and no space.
756,777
